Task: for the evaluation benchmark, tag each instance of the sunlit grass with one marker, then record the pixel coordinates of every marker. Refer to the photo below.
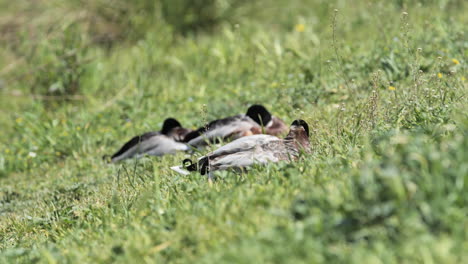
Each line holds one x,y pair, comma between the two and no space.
382,86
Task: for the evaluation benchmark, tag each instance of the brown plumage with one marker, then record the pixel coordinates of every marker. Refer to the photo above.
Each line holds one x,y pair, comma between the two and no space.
276,127
256,121
255,149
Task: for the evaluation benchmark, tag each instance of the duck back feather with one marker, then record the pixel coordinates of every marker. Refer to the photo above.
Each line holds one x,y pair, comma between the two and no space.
133,142
154,143
255,149
227,128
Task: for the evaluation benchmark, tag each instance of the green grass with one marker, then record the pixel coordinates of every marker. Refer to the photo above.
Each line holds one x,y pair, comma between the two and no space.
384,93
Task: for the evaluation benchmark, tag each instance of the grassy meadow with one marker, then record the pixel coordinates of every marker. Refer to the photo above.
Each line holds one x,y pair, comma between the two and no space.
382,84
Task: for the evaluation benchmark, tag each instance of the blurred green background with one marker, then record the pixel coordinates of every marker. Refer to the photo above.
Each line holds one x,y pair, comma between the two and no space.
381,83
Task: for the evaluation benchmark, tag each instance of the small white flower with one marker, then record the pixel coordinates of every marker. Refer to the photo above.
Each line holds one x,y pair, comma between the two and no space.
32,154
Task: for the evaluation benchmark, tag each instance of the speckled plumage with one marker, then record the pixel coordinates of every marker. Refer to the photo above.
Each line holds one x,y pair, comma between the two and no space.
255,149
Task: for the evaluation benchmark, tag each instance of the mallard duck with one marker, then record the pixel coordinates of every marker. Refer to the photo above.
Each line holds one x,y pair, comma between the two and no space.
238,126
166,141
255,149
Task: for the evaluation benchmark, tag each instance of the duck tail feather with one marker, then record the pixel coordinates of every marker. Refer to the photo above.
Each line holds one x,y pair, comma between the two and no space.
204,165
180,170
189,165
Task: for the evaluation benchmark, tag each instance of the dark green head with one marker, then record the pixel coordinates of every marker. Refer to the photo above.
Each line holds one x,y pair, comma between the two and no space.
259,114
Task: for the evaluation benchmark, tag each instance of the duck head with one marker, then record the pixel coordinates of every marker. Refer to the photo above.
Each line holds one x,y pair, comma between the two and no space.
173,129
259,114
299,132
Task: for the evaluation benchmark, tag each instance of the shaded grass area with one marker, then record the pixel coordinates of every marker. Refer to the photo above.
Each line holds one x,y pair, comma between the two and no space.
382,86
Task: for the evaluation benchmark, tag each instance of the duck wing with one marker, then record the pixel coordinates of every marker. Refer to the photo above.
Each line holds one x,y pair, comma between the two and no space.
161,145
242,144
130,145
238,153
213,125
257,149
151,143
224,128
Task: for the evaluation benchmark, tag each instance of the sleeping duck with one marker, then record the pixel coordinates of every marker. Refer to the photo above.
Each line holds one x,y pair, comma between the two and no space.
166,141
234,127
255,149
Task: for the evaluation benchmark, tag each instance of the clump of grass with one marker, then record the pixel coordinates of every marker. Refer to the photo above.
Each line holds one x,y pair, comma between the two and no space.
192,16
